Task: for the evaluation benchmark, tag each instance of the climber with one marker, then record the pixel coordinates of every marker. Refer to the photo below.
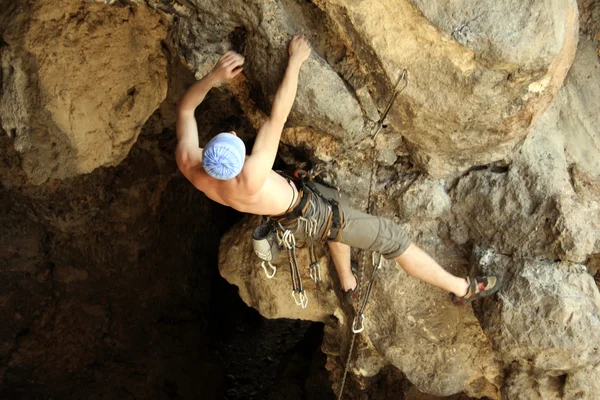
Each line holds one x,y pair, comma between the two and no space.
224,172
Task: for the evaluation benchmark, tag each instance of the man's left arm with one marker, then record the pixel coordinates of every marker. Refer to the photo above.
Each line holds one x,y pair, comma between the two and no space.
260,162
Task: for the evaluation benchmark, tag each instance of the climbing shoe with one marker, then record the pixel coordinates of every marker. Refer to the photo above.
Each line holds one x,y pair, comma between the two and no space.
351,296
479,287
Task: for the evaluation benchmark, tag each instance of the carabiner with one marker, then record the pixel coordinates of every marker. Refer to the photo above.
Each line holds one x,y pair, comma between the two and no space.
298,302
362,323
273,268
303,300
376,264
315,272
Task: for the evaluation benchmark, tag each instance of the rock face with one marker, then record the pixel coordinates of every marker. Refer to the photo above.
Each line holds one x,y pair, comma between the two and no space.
543,326
489,158
79,82
262,31
538,203
476,86
536,206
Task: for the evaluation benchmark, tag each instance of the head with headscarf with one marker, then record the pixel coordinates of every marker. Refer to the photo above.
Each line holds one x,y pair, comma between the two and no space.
223,156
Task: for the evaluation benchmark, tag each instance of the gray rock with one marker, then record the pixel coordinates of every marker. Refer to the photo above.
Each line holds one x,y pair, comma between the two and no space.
425,199
521,38
546,322
323,101
531,207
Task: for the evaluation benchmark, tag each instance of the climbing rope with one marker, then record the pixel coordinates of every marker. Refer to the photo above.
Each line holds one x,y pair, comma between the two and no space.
360,316
325,167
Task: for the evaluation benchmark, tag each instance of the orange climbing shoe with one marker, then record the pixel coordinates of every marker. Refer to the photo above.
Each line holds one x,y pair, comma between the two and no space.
479,287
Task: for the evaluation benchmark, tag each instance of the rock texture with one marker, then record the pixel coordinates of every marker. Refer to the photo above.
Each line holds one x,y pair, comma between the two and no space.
476,86
79,82
489,157
543,326
534,207
262,30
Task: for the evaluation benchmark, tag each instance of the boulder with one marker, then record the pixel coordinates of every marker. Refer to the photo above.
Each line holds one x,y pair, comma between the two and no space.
545,326
79,82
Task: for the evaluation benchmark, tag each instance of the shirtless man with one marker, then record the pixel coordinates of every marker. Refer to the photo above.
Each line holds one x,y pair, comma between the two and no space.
248,184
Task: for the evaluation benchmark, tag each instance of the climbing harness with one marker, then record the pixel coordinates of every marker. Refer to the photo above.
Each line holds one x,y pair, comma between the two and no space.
272,235
267,241
358,324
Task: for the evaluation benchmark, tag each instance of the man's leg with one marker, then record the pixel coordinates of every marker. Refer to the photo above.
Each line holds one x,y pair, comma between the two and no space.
419,264
340,253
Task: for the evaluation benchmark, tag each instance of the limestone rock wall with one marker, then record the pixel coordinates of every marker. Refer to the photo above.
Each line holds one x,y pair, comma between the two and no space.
477,86
489,158
533,201
80,81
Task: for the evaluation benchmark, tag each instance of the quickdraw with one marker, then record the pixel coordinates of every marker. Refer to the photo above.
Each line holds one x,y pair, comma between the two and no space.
310,225
361,312
288,240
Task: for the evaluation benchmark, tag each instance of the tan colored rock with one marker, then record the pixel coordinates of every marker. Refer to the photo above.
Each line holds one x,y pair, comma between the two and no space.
583,384
579,110
409,324
465,104
273,297
80,82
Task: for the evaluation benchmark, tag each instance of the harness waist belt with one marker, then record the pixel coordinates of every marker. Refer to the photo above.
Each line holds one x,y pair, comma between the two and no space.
333,230
299,210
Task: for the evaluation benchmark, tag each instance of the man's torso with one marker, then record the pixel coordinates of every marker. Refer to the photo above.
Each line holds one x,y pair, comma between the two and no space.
274,197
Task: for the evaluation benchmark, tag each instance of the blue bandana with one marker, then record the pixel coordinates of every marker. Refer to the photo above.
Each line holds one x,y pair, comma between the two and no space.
223,156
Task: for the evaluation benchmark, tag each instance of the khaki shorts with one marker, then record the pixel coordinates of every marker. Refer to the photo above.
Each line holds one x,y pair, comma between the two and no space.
359,229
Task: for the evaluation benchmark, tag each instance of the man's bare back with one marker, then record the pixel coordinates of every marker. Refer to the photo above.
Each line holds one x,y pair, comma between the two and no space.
274,197
257,189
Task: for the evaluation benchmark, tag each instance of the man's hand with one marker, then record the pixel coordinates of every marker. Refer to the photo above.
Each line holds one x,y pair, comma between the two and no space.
299,49
229,65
